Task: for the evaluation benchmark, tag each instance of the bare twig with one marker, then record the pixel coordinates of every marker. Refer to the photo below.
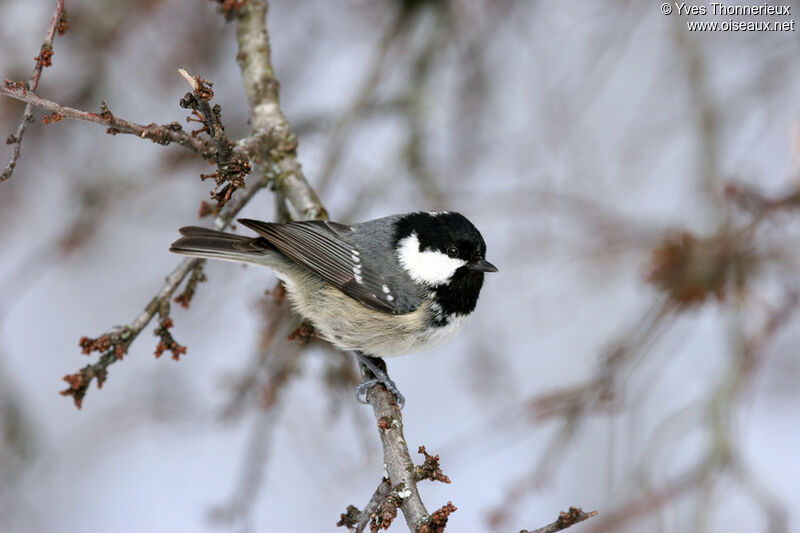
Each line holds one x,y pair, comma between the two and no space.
272,141
380,494
396,456
161,134
57,24
231,169
382,507
115,343
272,144
198,276
565,519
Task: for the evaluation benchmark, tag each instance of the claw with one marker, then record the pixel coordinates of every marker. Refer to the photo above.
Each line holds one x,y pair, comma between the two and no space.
399,399
369,367
361,390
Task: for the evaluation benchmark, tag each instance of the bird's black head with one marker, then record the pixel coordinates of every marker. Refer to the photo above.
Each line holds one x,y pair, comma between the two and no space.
446,252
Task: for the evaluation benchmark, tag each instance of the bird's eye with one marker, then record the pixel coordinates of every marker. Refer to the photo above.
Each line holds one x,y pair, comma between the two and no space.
452,251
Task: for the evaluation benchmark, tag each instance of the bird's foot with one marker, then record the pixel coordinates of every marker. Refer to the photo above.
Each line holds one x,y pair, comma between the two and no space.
376,368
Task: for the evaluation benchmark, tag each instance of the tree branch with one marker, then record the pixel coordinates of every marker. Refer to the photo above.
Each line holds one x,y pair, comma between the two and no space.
231,170
115,343
273,145
396,456
380,495
165,134
565,520
272,141
57,24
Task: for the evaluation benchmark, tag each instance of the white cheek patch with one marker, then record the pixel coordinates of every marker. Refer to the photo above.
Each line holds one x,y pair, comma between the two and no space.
431,267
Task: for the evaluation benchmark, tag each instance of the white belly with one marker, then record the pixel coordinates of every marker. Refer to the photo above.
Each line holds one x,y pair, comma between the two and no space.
349,325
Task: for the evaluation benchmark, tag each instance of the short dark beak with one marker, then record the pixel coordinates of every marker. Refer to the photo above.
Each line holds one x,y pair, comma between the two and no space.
483,265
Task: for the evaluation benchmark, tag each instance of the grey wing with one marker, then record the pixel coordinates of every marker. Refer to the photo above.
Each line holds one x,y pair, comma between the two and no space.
322,248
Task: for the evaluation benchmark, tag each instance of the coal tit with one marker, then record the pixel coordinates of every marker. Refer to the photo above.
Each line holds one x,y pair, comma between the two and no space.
384,287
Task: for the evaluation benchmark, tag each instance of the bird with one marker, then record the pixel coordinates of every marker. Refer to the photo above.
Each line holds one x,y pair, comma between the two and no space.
381,288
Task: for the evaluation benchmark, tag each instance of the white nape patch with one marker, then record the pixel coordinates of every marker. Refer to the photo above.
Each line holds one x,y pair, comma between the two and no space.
431,267
437,213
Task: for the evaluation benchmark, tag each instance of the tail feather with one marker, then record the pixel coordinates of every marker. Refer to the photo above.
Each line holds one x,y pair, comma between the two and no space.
213,244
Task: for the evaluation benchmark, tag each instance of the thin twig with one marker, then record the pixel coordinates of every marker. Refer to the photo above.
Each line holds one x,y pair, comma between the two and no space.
273,145
272,141
161,134
565,520
380,494
396,456
121,338
231,170
57,24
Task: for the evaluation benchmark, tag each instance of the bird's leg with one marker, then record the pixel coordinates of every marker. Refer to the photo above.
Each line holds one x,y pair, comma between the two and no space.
374,371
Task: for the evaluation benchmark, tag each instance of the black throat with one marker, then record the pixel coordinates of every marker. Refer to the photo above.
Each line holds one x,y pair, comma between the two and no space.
457,297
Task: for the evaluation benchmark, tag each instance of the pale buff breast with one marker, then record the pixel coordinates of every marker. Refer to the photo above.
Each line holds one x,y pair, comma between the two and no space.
345,322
